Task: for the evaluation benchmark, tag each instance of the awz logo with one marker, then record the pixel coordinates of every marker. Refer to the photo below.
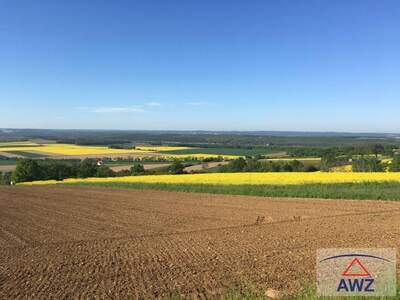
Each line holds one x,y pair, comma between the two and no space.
345,273
354,281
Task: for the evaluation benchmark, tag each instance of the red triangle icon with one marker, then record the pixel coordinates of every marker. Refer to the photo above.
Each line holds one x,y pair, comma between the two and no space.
362,273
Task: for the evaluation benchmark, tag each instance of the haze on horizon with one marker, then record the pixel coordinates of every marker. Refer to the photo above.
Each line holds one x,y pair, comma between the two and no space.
208,65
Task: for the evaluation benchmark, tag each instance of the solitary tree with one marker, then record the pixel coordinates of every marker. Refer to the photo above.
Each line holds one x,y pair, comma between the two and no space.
378,149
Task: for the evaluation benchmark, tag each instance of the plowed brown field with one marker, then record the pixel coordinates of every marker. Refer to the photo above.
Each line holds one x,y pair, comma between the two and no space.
75,242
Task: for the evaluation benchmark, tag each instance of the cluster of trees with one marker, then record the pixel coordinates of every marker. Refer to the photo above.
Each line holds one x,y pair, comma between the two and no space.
395,165
368,164
373,149
31,170
373,164
253,165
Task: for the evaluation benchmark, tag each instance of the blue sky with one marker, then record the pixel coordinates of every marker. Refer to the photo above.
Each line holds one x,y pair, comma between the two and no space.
211,65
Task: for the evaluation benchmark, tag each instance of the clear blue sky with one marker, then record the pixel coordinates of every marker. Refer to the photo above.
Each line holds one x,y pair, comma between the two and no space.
214,65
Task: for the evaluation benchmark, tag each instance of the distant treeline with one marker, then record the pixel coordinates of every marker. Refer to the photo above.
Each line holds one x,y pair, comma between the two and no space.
370,149
231,139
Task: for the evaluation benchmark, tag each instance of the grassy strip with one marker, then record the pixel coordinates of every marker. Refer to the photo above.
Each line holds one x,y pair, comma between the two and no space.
7,161
367,190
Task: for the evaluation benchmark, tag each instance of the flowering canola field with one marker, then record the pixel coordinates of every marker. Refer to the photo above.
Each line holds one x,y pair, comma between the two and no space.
165,154
68,149
281,178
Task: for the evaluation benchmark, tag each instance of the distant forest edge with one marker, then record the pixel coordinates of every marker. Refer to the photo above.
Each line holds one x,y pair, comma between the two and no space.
202,138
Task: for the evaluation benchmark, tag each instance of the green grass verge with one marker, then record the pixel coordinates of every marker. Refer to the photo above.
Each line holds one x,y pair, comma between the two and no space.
370,190
7,161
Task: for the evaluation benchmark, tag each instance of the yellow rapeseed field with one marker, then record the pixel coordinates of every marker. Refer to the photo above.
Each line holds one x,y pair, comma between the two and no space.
197,156
68,149
245,178
182,156
345,168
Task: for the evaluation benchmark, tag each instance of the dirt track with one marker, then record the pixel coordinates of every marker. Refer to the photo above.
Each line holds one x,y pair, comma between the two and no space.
74,242
205,166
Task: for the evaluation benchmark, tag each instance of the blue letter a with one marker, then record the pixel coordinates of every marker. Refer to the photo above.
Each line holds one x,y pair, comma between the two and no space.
342,285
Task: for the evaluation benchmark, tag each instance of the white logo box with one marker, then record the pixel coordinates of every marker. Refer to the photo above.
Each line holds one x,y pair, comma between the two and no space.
356,272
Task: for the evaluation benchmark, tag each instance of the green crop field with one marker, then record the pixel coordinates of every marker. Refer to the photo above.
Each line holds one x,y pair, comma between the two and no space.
223,151
27,154
362,191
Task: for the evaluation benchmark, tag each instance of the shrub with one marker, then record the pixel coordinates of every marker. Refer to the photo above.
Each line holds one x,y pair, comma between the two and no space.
104,171
395,165
137,169
368,165
176,167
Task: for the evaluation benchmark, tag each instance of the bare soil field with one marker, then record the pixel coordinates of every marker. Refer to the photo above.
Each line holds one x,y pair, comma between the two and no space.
146,167
79,242
205,166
